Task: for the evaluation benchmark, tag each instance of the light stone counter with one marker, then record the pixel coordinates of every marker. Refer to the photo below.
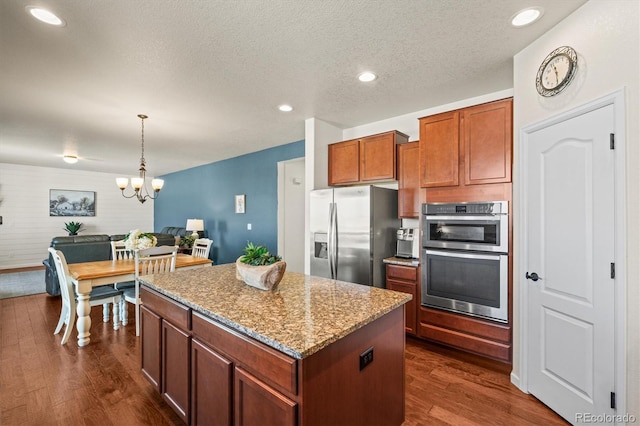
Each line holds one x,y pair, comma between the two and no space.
304,315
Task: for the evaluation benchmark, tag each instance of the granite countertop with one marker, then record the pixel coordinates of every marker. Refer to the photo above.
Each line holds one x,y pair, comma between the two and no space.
302,316
402,261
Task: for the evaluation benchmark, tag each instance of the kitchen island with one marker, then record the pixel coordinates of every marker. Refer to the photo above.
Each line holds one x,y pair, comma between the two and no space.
315,351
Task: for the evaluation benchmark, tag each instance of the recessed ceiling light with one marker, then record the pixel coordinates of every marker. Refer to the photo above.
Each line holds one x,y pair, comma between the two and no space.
526,17
45,16
367,76
71,159
285,108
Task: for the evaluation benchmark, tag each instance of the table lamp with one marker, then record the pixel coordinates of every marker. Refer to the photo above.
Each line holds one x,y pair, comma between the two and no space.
195,225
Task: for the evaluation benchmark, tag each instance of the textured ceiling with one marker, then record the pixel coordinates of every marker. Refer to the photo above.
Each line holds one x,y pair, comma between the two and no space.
210,74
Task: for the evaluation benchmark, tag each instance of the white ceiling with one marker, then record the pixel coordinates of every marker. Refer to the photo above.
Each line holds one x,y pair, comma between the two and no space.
210,74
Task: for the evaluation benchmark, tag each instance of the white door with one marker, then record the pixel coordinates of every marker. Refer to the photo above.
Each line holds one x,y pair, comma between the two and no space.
569,239
291,213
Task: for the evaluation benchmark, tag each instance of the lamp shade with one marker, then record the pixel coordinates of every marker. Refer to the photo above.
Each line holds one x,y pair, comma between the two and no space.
195,225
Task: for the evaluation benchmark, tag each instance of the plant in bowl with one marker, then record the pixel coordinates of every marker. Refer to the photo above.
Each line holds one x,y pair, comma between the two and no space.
73,227
259,268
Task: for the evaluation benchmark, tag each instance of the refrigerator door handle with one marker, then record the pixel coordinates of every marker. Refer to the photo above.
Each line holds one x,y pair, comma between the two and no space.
330,240
333,241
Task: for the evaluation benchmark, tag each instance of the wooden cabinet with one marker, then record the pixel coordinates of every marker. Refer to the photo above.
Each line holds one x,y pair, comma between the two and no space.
406,279
151,325
176,357
344,162
471,146
476,335
408,171
211,384
368,159
166,344
211,374
258,404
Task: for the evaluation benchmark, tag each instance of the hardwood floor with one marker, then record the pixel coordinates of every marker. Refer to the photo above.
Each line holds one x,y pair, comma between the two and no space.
44,383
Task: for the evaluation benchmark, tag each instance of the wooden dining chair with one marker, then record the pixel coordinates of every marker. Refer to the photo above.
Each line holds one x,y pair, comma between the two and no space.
102,295
119,251
201,247
154,260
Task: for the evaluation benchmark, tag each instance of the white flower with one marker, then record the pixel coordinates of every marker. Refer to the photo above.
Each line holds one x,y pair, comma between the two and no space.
138,240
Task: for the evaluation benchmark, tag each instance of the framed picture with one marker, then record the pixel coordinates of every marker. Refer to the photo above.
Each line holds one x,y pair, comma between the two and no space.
67,202
240,203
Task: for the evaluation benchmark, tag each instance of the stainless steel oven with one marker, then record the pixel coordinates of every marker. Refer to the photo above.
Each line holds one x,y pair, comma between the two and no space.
465,258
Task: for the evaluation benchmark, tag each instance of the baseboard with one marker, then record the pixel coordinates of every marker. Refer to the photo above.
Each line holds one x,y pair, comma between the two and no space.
515,379
25,269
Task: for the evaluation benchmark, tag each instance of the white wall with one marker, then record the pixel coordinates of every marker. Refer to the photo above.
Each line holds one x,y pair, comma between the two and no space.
606,36
27,229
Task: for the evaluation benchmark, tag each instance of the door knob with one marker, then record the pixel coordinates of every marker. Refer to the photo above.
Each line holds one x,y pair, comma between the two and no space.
532,277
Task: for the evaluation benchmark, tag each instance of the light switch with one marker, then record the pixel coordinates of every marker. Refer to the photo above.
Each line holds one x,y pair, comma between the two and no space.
249,226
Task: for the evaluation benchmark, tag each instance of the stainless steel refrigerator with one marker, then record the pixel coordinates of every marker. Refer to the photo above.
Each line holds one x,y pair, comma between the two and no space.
352,230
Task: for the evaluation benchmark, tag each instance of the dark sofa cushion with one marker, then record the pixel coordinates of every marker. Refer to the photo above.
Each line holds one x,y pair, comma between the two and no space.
178,231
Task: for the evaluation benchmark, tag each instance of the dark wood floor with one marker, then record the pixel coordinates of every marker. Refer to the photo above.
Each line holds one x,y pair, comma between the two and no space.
44,383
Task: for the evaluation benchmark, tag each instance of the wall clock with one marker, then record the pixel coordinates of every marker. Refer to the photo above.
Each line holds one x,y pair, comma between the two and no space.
556,71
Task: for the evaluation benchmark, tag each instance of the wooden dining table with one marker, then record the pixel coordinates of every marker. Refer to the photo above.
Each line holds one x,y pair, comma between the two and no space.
87,275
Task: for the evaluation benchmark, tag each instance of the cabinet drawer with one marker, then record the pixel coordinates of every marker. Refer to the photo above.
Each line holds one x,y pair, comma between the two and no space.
178,315
275,368
408,273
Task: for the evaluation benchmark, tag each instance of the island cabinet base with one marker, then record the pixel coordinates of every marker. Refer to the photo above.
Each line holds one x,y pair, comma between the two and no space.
233,379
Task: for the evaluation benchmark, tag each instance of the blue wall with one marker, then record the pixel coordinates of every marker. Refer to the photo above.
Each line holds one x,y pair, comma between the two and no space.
208,192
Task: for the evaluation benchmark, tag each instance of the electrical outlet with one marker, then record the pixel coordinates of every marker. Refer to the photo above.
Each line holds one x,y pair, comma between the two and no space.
366,358
249,226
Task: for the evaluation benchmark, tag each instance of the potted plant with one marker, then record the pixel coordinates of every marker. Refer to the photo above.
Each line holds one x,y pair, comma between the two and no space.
187,241
73,227
259,268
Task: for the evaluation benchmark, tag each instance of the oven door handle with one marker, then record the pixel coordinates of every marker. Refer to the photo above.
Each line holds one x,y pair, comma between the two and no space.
465,218
465,255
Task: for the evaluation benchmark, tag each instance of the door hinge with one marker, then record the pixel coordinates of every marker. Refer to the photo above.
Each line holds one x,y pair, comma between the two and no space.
613,400
613,270
612,141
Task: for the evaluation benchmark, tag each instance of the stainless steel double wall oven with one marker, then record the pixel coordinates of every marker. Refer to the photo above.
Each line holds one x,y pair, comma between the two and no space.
465,258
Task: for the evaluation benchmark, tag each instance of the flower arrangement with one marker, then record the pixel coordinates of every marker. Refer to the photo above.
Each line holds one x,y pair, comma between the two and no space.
139,240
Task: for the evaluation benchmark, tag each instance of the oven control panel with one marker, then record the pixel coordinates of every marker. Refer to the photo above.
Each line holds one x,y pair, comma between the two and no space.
488,207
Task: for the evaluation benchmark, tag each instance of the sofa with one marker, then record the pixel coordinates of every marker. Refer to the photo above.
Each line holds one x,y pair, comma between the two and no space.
179,232
86,248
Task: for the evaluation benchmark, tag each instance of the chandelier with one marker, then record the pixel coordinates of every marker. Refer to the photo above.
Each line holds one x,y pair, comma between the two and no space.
138,183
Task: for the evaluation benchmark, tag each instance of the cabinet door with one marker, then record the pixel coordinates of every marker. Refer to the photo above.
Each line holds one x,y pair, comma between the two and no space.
405,279
487,134
258,404
211,387
151,343
378,157
439,150
176,359
344,162
408,180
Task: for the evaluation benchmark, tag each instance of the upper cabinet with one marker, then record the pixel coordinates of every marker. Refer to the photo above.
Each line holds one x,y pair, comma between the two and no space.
471,146
408,180
368,159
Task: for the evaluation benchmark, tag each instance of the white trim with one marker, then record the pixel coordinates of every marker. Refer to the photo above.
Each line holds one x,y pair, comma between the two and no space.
280,209
617,99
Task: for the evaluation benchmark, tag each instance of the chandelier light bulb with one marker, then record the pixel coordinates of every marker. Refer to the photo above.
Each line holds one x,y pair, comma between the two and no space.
157,184
122,183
